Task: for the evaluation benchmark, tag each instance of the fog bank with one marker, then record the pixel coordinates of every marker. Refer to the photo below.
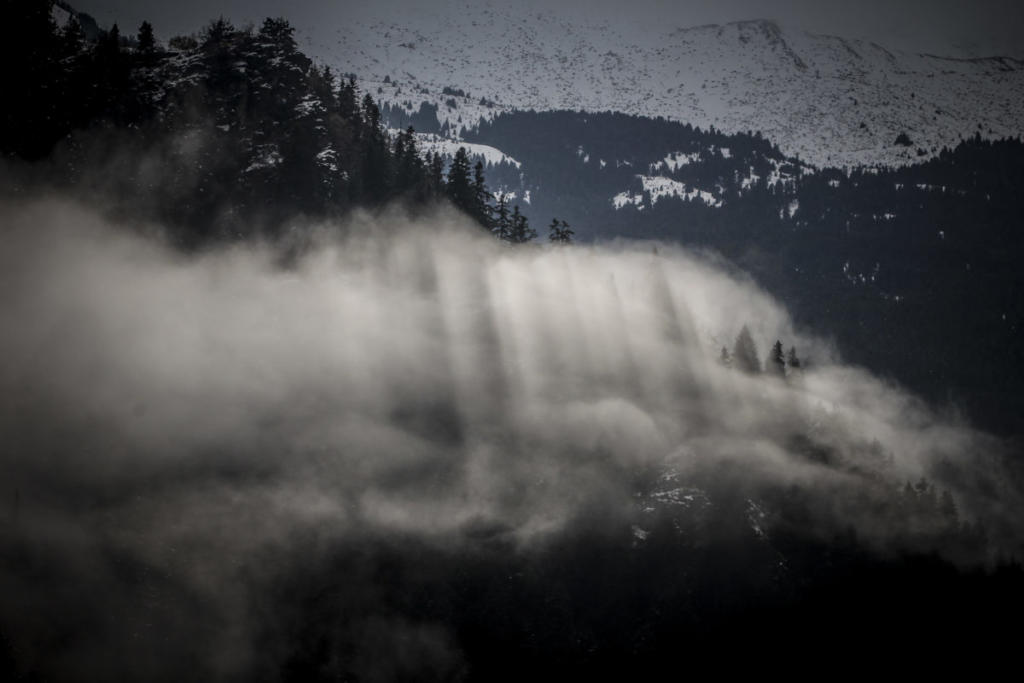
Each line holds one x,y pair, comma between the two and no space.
180,430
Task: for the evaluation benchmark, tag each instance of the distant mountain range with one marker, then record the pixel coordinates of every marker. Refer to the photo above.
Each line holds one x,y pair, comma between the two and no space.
829,100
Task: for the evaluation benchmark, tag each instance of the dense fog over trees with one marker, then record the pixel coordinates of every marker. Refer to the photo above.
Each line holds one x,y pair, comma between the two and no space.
187,437
286,397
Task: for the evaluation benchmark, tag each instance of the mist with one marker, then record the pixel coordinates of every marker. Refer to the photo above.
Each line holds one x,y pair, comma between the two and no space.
184,434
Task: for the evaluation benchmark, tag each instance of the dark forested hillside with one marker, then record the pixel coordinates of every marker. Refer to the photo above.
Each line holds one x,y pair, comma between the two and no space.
913,270
917,272
225,133
575,163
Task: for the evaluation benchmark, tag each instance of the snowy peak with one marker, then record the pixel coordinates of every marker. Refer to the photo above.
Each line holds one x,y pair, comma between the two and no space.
763,34
831,101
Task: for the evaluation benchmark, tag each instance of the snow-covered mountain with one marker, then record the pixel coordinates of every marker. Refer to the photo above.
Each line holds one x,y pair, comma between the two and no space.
828,100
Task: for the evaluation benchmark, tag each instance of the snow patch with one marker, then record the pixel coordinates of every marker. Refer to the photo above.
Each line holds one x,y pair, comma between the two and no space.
328,158
660,186
267,156
447,147
674,161
683,496
756,517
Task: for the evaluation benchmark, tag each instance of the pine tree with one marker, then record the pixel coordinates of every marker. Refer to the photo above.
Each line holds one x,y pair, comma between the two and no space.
435,175
371,116
560,232
348,100
72,83
224,84
482,210
744,353
323,85
376,156
400,145
279,32
792,361
520,231
458,187
147,42
724,358
502,227
775,364
408,162
217,32
111,72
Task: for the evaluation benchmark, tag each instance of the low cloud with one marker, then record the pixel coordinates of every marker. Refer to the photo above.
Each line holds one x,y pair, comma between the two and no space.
181,431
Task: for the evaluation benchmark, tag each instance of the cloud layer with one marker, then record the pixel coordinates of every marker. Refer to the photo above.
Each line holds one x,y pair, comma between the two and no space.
181,431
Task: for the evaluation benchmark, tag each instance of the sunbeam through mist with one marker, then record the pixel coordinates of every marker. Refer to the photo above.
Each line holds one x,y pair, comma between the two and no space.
182,432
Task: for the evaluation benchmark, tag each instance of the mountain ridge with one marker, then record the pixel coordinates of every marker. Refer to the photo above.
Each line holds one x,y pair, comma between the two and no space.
831,100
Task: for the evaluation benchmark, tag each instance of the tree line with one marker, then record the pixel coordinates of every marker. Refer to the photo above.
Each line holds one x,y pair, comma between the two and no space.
743,357
224,134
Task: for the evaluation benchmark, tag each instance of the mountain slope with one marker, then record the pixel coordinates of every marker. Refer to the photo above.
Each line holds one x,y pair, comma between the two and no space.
831,101
912,270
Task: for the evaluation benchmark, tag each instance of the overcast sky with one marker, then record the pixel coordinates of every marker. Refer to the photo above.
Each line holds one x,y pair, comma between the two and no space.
951,27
